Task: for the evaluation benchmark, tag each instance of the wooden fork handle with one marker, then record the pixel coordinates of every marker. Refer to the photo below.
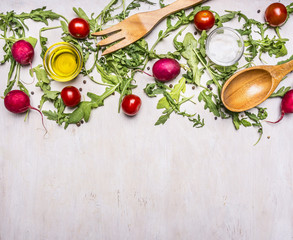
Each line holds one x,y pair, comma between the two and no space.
176,6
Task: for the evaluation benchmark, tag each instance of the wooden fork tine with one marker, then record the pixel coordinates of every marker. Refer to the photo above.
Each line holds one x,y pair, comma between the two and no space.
123,43
112,38
112,29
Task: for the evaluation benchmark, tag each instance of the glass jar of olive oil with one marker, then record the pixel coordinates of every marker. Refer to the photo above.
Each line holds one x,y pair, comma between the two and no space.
63,61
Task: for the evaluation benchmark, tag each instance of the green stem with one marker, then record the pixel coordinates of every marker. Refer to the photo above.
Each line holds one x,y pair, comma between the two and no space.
209,70
123,93
17,76
10,39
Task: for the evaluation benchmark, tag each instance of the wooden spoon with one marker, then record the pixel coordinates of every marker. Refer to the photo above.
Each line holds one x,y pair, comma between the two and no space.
250,87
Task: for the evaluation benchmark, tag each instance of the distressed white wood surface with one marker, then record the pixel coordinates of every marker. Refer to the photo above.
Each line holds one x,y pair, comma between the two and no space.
123,178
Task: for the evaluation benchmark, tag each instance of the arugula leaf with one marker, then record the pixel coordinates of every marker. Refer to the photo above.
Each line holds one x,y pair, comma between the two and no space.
154,89
189,44
164,117
172,98
281,92
82,112
32,41
207,97
171,102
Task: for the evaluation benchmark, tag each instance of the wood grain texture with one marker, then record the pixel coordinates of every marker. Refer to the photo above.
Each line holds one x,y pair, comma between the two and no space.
250,87
138,25
120,178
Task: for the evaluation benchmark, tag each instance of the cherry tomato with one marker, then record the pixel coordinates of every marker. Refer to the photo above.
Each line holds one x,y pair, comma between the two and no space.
79,28
276,14
70,96
131,104
204,20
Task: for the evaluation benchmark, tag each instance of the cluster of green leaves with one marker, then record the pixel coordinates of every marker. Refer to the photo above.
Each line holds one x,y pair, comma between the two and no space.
118,69
14,28
174,22
197,63
171,101
256,46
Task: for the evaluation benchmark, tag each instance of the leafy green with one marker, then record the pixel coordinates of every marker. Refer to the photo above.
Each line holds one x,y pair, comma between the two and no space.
189,44
117,71
172,101
281,92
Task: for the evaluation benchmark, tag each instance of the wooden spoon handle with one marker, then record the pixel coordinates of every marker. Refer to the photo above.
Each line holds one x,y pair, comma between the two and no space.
282,70
175,7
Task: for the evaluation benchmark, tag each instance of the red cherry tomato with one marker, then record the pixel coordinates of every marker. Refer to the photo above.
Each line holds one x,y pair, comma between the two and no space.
276,14
131,104
79,28
204,20
70,96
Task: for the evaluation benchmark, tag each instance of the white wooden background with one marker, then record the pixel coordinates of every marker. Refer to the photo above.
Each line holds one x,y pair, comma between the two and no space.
123,178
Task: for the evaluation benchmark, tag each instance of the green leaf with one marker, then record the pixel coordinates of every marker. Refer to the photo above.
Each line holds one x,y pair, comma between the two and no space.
173,97
106,77
32,41
51,115
281,92
64,27
82,112
189,45
154,89
42,77
209,103
163,118
245,123
9,87
236,120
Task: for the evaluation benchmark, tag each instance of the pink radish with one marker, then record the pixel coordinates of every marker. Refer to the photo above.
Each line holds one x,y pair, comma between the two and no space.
23,52
286,105
166,69
17,101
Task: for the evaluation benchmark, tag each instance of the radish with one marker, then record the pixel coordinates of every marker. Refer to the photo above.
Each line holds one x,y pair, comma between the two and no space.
23,52
286,105
17,101
166,69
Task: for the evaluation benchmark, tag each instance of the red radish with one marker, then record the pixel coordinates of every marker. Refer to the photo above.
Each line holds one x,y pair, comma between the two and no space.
286,105
17,101
23,52
166,69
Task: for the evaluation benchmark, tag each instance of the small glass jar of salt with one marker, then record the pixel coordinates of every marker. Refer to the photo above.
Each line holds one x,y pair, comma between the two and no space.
224,46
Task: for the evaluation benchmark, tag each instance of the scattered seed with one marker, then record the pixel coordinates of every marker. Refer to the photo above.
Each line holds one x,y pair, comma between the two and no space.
258,11
113,93
148,68
32,93
211,88
195,33
78,124
171,85
80,89
81,121
39,106
84,81
193,87
216,118
268,137
208,86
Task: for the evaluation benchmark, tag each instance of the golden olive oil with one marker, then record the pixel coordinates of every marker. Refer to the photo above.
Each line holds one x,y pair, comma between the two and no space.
63,61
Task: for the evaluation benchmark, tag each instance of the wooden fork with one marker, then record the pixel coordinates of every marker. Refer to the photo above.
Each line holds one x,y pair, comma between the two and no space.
138,25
